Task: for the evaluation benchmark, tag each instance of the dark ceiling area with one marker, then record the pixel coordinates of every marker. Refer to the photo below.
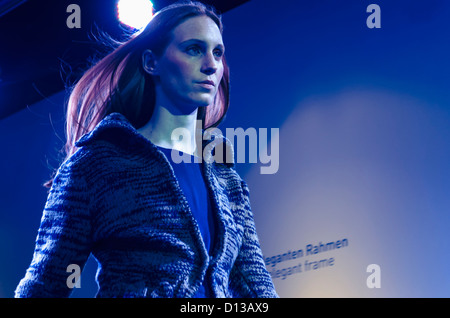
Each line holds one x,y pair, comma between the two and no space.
40,54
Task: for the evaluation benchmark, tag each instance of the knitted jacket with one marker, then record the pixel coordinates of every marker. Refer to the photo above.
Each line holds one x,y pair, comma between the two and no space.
118,199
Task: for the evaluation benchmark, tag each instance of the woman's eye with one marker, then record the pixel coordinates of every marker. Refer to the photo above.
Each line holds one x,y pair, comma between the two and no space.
193,50
218,53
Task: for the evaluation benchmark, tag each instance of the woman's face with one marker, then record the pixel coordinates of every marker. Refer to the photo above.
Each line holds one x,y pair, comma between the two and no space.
190,70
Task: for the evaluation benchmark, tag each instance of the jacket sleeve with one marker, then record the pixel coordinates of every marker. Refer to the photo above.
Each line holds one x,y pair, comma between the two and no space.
249,277
63,237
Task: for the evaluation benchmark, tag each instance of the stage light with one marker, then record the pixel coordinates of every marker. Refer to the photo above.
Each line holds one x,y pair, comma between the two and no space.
135,13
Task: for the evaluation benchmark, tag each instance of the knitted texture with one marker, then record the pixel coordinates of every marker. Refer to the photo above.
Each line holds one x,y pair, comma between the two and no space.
118,199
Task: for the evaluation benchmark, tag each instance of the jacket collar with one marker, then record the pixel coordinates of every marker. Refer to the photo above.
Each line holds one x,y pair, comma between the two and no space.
118,130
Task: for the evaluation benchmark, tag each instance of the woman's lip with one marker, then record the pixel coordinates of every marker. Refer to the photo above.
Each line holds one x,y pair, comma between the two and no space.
206,85
211,83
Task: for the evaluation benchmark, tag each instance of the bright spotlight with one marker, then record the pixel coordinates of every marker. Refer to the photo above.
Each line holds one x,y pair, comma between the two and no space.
135,13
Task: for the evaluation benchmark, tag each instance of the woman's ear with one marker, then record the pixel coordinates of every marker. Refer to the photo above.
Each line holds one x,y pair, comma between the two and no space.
149,62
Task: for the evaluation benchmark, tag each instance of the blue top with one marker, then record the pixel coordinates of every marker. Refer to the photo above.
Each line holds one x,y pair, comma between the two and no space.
191,181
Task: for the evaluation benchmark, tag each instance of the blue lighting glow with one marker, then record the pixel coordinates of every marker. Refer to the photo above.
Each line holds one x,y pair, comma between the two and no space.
135,13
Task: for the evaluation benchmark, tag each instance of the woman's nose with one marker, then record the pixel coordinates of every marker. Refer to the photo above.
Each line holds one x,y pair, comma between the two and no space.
210,64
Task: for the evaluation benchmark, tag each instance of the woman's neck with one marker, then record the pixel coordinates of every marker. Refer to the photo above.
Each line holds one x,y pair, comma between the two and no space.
163,126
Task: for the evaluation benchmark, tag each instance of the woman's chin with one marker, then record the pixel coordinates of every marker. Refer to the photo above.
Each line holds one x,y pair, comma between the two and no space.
202,102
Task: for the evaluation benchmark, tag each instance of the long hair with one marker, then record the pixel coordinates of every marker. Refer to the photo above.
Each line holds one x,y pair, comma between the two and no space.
118,82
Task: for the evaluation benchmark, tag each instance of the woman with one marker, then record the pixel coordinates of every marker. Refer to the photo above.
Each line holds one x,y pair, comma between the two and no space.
156,228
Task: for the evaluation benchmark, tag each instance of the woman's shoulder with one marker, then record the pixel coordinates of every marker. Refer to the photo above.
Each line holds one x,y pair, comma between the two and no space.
114,136
114,129
90,163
